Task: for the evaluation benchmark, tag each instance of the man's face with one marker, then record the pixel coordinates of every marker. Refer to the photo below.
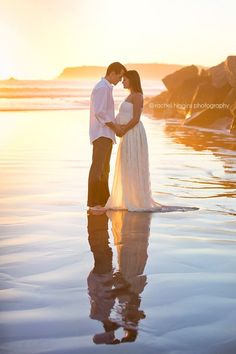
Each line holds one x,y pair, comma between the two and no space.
117,77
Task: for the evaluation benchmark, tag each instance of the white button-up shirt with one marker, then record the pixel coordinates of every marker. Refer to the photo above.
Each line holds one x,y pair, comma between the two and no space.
102,111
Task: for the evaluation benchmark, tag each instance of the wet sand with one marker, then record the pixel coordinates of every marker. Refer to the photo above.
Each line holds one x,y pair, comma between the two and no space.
69,281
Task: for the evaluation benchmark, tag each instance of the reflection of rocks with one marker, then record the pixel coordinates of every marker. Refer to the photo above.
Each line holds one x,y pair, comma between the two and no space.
115,294
206,98
222,146
201,140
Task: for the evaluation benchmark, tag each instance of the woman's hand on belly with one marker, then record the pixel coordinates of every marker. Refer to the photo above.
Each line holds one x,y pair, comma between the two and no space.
120,130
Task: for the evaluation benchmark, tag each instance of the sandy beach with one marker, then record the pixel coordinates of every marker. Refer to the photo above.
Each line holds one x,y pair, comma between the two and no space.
180,266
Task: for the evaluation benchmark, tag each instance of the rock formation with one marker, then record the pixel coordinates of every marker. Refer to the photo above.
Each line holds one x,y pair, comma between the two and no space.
205,97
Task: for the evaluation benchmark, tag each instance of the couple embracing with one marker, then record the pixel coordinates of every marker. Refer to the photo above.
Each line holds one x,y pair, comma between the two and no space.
131,188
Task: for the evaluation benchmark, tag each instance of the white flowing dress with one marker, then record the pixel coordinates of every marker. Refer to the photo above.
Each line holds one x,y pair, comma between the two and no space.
131,189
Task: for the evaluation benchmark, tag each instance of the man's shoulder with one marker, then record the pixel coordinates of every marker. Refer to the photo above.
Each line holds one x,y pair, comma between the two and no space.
100,84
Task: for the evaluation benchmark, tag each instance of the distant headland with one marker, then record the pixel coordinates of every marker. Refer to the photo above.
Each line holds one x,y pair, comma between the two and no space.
147,71
11,79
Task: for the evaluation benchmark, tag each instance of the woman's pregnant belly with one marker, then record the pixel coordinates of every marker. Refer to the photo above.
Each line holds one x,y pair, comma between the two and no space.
123,118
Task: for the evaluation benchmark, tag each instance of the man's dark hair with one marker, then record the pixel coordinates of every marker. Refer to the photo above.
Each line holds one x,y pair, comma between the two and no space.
116,67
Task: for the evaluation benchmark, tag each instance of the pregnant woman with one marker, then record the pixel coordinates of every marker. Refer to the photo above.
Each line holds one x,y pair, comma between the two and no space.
131,188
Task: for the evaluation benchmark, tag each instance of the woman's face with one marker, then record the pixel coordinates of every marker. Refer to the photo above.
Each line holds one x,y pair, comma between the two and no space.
125,82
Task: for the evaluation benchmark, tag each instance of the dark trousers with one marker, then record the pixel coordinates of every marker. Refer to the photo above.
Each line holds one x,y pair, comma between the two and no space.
98,189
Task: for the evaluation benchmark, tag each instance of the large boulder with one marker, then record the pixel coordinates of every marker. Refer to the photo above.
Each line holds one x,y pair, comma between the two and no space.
230,70
211,118
219,114
224,73
157,105
175,103
206,93
233,127
230,98
185,91
176,79
233,112
218,75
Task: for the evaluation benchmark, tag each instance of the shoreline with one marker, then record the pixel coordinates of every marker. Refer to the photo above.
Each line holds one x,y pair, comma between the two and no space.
41,109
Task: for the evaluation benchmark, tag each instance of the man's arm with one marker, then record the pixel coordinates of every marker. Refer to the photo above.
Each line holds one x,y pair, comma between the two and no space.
116,128
100,101
112,126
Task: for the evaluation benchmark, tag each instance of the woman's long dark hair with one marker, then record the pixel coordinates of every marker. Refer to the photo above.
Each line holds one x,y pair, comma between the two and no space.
134,80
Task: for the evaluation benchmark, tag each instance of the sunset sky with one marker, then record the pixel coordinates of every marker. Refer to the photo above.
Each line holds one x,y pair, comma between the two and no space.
38,38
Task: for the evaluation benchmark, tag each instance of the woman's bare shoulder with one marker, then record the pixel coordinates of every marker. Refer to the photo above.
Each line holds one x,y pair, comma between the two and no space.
136,94
137,97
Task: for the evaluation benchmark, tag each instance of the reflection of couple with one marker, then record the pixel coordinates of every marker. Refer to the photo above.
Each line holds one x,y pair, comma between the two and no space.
114,294
131,188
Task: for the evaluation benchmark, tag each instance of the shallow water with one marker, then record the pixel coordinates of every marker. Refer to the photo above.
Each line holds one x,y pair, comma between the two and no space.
164,280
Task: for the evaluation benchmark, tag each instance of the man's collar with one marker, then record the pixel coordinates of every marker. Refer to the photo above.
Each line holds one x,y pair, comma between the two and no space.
107,82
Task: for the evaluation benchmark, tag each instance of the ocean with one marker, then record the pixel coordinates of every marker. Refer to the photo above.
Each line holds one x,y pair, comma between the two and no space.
58,94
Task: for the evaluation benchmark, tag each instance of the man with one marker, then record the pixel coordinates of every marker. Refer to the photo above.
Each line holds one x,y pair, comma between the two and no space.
102,133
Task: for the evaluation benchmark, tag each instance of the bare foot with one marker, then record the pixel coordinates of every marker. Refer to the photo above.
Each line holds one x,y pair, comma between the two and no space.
96,207
97,210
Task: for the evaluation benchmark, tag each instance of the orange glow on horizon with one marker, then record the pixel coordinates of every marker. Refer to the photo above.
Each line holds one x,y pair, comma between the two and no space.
38,39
